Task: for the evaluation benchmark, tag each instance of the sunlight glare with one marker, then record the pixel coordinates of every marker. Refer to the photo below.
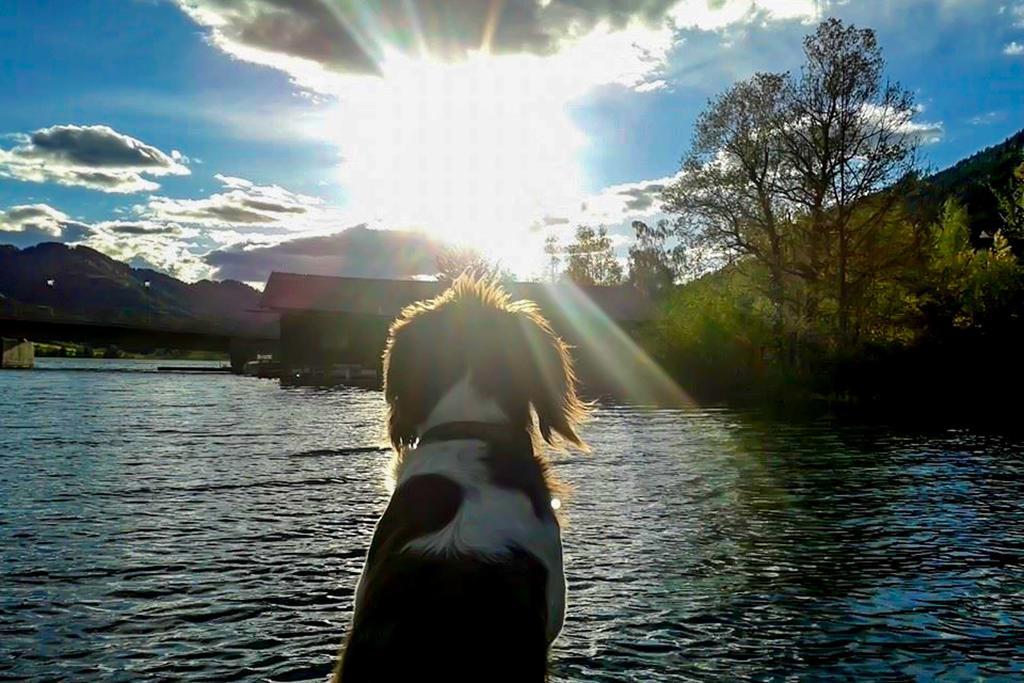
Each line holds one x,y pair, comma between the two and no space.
471,152
476,152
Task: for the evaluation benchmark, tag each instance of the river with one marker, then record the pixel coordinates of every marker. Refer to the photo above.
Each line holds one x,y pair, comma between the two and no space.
211,527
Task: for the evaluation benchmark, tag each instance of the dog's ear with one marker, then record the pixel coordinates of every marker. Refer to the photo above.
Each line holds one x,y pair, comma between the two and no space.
550,380
401,383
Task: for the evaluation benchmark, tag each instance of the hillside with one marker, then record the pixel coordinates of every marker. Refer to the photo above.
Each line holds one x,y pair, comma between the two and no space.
971,180
79,282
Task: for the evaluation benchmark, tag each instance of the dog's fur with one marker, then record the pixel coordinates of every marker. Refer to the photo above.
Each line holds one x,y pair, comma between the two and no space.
463,580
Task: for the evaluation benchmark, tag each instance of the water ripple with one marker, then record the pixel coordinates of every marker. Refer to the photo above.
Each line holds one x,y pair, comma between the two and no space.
212,528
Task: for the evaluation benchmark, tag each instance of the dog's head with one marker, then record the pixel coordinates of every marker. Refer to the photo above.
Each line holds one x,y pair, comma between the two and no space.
506,348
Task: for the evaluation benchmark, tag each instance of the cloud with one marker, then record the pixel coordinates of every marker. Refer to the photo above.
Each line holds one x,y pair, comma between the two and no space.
903,123
987,118
244,203
641,197
925,132
616,204
316,42
1014,49
28,224
41,217
615,207
709,15
453,116
140,243
357,252
310,38
162,251
1016,13
95,157
139,228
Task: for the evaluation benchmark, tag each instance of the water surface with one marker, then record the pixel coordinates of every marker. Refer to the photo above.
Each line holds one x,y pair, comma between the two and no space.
211,527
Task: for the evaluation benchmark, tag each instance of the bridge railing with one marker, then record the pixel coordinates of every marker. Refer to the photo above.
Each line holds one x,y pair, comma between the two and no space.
14,311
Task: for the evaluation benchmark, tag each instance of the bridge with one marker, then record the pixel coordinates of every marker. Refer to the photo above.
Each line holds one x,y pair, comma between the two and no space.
239,343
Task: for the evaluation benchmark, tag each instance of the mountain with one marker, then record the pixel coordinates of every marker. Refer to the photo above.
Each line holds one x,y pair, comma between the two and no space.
79,282
972,180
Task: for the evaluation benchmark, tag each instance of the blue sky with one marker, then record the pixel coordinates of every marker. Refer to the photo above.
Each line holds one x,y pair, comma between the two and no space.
222,138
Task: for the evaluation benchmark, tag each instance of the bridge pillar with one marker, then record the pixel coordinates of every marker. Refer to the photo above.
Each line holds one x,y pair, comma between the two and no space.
241,351
17,353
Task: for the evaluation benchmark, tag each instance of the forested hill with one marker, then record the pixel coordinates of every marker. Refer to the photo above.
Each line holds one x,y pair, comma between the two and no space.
973,179
80,282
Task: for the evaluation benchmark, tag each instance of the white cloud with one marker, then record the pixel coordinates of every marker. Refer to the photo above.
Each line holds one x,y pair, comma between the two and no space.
242,204
711,15
28,224
986,118
315,42
141,227
96,157
40,217
357,251
1016,13
902,122
1014,49
161,251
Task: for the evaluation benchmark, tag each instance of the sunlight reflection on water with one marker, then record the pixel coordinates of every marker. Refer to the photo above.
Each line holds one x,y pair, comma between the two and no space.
212,527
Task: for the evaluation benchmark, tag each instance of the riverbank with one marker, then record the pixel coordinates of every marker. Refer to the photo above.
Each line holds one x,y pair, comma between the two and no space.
72,350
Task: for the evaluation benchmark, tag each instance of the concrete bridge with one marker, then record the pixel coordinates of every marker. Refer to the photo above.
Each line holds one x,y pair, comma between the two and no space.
241,345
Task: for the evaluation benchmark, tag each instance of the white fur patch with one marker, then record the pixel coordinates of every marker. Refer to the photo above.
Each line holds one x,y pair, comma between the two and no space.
464,402
491,519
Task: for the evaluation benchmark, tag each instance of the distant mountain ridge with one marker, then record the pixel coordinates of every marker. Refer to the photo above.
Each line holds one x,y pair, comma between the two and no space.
53,279
972,180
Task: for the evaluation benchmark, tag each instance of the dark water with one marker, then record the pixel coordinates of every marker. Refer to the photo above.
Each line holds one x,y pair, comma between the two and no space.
212,528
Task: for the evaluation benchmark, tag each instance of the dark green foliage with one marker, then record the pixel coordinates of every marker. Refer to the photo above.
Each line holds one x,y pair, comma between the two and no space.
976,183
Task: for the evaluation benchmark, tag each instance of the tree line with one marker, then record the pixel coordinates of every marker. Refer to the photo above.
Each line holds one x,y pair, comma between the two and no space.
803,244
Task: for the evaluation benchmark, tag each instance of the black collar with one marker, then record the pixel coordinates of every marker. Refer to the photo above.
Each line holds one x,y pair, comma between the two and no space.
491,432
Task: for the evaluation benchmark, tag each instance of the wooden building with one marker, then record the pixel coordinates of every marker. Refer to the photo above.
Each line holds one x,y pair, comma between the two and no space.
342,321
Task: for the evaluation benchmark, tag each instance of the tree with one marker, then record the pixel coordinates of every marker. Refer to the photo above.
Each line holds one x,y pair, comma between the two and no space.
1011,206
653,267
551,249
592,259
727,197
981,288
454,261
804,174
848,136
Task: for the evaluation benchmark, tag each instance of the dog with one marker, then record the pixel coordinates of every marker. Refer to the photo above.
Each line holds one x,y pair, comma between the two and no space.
463,580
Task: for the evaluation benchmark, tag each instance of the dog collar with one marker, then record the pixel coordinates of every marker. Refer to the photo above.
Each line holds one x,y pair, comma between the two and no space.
490,432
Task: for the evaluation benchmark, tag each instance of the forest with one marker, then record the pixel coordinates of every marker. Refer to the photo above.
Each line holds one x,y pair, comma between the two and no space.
808,255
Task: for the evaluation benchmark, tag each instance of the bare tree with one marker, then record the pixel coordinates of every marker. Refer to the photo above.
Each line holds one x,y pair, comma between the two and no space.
551,250
591,258
653,265
454,261
726,197
803,174
847,137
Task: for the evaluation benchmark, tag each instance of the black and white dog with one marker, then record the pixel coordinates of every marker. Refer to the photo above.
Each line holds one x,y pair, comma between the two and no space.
463,580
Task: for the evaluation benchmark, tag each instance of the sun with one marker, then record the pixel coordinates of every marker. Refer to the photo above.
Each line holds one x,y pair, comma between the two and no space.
473,153
477,152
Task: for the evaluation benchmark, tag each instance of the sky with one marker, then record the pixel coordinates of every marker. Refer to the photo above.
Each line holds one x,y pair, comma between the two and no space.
228,138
